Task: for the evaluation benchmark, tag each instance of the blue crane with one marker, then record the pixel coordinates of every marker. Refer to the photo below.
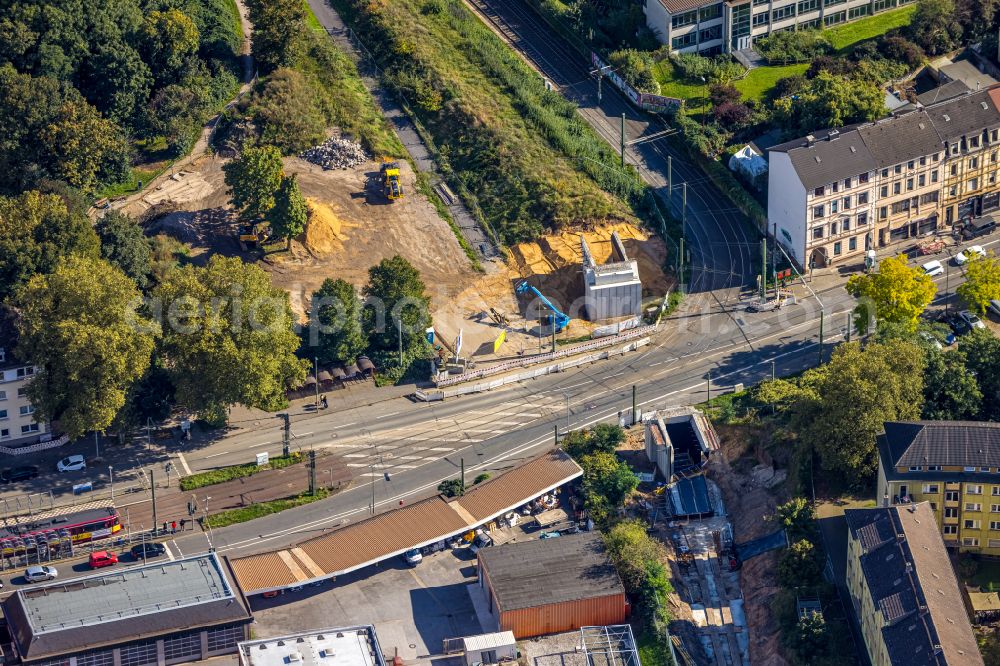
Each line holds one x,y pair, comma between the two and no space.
561,320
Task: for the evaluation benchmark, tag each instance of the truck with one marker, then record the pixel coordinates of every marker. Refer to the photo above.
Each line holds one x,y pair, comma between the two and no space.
392,187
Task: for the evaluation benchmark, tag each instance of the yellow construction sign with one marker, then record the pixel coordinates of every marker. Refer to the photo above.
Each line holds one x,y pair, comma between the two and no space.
499,341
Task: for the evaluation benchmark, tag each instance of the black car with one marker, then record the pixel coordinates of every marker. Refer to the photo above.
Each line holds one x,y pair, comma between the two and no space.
150,549
22,473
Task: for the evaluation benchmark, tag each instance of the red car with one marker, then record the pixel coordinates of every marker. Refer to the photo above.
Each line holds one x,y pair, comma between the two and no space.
102,558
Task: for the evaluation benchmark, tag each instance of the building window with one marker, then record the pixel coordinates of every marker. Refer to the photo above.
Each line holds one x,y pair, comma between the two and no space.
909,184
896,188
934,468
3,395
913,468
28,429
25,372
857,12
26,409
974,163
187,645
687,18
969,468
758,3
834,206
934,176
819,191
710,12
104,658
974,489
862,219
898,169
951,512
901,206
223,638
974,141
974,184
930,197
863,178
833,228
950,529
995,525
845,224
806,6
781,14
883,212
818,211
862,198
847,203
884,191
817,233
689,39
973,506
885,173
954,149
852,243
923,161
984,469
22,392
141,654
954,169
4,433
834,19
3,414
970,541
708,34
951,496
971,525
933,506
932,488
994,508
837,248
763,18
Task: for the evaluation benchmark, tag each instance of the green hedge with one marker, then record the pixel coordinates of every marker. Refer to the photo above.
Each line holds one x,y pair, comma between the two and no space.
224,474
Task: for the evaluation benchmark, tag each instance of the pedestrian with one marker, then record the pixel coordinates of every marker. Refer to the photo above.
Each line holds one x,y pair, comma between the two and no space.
183,522
325,404
173,527
164,527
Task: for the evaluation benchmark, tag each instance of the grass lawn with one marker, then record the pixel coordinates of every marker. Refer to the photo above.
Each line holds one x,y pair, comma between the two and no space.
987,574
214,476
761,79
311,19
844,36
260,509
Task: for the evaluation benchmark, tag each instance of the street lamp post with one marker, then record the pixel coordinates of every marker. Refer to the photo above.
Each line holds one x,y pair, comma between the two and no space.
111,479
316,375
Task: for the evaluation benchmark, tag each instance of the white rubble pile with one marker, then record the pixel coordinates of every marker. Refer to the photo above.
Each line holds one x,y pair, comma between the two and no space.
336,153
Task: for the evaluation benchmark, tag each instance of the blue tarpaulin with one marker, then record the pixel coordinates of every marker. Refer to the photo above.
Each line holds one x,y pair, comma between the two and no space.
765,543
689,497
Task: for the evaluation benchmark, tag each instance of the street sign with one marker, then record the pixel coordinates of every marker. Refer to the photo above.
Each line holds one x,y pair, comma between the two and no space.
262,459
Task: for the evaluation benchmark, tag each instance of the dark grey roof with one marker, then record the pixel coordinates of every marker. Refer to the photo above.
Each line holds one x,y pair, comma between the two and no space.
840,155
901,138
942,93
548,571
911,583
965,115
123,605
689,497
924,443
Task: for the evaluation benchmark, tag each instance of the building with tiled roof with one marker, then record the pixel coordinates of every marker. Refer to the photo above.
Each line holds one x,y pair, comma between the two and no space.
904,591
952,465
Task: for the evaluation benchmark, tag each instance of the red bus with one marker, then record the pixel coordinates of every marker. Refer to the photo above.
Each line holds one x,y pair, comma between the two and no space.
56,527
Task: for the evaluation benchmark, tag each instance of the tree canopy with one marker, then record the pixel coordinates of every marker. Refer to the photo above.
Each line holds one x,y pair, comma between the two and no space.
335,319
253,178
395,294
124,245
79,325
982,282
278,27
290,213
897,293
830,100
227,337
951,393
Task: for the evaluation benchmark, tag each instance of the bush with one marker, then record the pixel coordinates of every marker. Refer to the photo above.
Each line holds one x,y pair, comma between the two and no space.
485,476
224,474
450,487
693,67
827,63
732,116
787,47
902,50
790,85
636,67
800,566
797,517
721,93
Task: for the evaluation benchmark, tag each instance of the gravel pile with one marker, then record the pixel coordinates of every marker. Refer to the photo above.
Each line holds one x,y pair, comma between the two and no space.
336,153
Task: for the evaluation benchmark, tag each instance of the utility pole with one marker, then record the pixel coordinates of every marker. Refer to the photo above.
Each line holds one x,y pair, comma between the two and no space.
670,178
680,274
312,472
462,483
286,434
152,490
708,386
316,376
774,257
635,415
623,140
556,434
763,269
684,207
848,326
399,323
822,314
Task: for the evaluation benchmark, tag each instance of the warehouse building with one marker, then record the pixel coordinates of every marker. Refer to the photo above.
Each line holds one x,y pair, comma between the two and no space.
342,646
163,613
548,586
612,289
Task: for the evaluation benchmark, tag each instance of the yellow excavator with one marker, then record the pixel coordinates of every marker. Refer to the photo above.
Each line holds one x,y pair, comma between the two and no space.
392,187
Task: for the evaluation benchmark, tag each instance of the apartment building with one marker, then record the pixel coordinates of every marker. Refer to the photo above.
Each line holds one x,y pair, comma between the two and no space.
709,27
837,193
954,466
18,426
904,591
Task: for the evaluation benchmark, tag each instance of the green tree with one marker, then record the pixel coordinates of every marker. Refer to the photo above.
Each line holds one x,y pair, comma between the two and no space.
278,27
171,43
798,517
810,638
982,282
450,487
898,293
935,27
82,148
80,326
228,338
335,323
607,483
830,100
253,178
36,231
289,109
124,245
632,550
982,352
636,67
174,112
950,392
395,294
779,393
858,391
117,82
290,213
602,438
800,566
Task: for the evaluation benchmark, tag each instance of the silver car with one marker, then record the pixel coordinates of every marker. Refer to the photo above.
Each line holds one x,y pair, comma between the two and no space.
39,574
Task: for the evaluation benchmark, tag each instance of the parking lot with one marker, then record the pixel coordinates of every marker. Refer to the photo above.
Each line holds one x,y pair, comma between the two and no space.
413,608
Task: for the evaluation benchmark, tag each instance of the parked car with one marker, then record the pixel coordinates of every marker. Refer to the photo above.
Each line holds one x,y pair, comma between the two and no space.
995,307
102,558
549,535
964,256
146,550
959,325
931,340
971,319
482,540
933,268
21,473
39,574
413,557
72,463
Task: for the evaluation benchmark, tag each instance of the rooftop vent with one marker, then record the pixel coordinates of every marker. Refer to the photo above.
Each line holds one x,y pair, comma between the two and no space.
920,125
294,657
810,139
818,160
833,135
947,118
984,106
853,149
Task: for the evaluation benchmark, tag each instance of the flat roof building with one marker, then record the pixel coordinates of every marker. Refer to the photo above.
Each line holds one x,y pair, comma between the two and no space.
340,646
164,613
612,289
548,586
904,590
